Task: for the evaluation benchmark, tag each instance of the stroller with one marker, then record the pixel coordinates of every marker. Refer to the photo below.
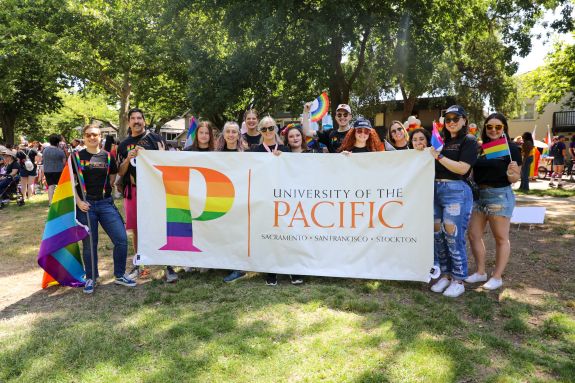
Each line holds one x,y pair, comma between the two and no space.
11,192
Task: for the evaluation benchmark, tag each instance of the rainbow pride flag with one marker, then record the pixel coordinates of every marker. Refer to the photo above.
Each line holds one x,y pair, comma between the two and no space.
59,253
191,132
436,140
496,148
319,108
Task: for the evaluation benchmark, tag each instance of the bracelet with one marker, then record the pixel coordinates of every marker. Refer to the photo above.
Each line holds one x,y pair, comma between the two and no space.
439,156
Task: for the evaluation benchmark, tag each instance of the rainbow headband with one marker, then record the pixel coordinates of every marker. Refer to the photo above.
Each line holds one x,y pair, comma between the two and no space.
320,107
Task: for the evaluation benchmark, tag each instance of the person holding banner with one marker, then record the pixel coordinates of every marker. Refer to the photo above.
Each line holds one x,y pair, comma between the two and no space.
494,173
96,173
419,139
231,139
139,139
361,138
453,201
252,136
204,138
294,138
397,136
270,140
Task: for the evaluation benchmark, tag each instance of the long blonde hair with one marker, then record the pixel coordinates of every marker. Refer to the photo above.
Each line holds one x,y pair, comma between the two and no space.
266,121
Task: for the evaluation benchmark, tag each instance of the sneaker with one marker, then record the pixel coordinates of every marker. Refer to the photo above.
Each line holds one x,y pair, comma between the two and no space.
139,272
493,284
170,274
296,279
559,186
271,280
455,289
551,185
124,280
476,277
89,286
234,276
440,285
435,272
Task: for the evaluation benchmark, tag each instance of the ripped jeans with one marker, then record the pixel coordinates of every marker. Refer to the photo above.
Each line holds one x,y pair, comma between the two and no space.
452,204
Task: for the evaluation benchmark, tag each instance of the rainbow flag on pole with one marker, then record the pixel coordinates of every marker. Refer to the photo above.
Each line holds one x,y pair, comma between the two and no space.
191,132
319,107
59,253
496,148
436,140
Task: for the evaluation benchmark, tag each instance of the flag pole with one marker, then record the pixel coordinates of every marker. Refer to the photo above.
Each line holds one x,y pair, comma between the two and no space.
76,178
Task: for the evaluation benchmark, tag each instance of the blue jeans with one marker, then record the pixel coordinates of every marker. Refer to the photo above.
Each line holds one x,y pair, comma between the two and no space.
525,168
452,204
105,212
496,202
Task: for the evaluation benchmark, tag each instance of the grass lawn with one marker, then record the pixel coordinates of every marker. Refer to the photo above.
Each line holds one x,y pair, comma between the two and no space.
327,330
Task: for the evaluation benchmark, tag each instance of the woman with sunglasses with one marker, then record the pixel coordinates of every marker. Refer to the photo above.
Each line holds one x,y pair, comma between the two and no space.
495,204
453,201
361,138
270,141
98,172
397,136
419,139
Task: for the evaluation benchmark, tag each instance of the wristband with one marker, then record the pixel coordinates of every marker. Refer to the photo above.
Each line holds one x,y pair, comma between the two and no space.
439,156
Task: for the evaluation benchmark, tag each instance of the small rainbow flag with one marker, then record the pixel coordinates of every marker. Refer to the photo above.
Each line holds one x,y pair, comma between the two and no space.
191,132
319,107
59,253
496,148
436,140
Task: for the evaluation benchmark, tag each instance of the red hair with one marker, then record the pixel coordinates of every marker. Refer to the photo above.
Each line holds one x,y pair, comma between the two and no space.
373,143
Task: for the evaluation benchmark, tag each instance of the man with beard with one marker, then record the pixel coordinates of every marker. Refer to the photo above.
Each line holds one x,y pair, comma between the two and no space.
139,139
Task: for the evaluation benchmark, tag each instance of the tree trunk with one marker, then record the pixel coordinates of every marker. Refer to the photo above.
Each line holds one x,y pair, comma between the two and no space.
125,93
8,122
408,104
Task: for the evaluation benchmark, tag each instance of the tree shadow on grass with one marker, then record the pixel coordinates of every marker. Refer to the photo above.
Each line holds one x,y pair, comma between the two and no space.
328,329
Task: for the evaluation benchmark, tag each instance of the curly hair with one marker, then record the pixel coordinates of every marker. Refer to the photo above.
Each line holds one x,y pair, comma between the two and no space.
373,143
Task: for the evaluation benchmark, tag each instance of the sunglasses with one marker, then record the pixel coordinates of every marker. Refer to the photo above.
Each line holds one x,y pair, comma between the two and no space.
498,128
396,130
342,114
452,119
91,135
267,129
362,130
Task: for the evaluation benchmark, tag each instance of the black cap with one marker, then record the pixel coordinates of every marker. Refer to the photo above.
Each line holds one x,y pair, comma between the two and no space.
362,123
456,109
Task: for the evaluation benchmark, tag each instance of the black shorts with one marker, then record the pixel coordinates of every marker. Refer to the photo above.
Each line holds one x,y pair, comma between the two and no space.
52,178
558,161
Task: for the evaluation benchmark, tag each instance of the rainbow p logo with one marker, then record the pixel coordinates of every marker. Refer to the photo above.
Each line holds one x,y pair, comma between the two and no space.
219,199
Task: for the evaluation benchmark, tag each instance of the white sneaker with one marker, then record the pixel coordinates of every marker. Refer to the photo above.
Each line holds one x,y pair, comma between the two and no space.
440,285
493,284
476,277
455,289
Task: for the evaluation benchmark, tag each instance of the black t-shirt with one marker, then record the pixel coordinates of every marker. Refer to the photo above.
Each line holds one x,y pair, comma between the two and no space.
252,141
225,149
335,140
261,148
557,150
11,167
462,149
96,175
493,172
401,147
147,140
359,150
192,149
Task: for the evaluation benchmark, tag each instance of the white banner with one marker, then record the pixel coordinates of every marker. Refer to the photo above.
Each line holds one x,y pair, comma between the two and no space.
366,215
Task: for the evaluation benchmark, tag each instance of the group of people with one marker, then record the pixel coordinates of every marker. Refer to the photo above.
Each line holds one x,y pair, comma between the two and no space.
458,211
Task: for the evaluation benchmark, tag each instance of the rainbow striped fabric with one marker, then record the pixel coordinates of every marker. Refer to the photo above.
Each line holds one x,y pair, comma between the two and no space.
59,253
219,200
320,107
496,148
436,140
192,130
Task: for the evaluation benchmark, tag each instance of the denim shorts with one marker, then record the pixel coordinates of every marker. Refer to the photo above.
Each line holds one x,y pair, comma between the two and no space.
495,201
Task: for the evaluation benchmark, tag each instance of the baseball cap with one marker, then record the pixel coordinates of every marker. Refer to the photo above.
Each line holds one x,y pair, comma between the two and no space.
456,109
362,123
344,107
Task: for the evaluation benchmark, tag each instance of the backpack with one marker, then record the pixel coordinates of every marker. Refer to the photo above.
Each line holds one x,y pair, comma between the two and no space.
28,164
